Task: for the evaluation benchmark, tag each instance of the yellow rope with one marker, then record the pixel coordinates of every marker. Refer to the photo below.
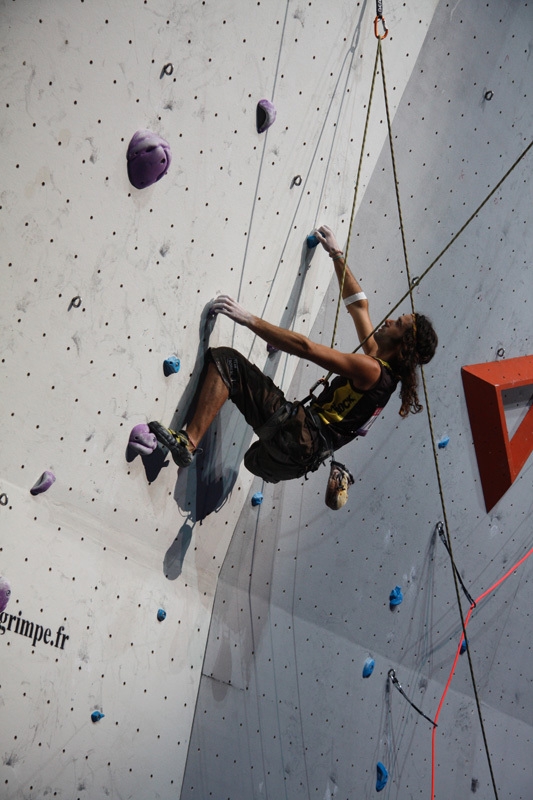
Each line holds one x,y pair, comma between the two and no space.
354,203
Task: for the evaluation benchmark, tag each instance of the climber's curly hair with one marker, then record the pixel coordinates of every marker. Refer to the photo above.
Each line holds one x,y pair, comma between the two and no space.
418,346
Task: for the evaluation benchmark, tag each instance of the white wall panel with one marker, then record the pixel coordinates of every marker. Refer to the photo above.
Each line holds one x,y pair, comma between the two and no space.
113,541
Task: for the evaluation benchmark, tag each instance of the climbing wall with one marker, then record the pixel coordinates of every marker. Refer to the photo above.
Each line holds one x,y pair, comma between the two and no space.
251,686
303,596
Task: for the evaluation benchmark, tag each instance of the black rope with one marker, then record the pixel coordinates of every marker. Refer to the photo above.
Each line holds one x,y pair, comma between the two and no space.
392,677
442,534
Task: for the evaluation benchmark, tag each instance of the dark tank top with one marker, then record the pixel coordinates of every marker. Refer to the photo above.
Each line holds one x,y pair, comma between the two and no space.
348,412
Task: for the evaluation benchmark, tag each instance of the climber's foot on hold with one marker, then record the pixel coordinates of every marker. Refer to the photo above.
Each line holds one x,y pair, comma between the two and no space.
178,443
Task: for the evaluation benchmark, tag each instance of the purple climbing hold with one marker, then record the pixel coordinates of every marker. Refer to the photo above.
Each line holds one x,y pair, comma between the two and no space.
44,482
5,593
148,158
265,115
142,440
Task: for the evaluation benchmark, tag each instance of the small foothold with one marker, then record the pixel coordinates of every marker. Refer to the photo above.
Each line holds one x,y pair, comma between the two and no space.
96,716
368,667
444,442
142,440
161,614
489,95
463,647
5,593
257,499
4,499
396,596
312,241
148,158
296,181
75,302
171,365
265,115
44,483
382,776
272,349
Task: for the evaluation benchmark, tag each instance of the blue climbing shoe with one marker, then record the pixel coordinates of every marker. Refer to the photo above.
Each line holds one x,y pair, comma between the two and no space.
176,443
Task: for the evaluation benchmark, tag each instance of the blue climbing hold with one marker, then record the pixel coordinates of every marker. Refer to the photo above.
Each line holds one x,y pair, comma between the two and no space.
265,115
396,596
272,349
44,482
368,667
257,499
161,614
463,647
171,365
382,776
148,158
312,241
443,442
96,716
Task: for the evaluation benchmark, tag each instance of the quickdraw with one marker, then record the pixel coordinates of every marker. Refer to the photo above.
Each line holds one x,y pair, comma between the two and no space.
379,16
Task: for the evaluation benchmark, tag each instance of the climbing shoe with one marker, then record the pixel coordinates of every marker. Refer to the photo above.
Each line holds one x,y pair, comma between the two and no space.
176,443
337,489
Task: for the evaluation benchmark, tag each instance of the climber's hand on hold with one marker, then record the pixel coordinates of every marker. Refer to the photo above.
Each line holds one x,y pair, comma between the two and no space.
327,239
230,308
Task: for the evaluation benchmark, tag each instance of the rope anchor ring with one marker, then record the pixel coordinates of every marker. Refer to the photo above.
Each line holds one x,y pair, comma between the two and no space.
168,69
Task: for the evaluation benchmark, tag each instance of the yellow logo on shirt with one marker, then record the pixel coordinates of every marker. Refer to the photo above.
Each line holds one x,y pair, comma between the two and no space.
340,405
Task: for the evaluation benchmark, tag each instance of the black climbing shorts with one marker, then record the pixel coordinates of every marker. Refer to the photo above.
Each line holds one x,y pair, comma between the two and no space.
285,450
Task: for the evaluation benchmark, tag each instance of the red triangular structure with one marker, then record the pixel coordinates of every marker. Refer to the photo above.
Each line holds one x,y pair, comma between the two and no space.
499,458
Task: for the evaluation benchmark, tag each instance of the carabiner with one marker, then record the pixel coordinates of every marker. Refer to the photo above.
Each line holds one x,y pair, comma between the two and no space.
376,25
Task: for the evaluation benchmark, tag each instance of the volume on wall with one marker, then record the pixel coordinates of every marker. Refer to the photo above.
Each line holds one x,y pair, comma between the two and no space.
251,686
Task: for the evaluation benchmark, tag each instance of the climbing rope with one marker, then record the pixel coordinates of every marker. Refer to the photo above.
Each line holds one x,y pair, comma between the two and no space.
433,438
412,284
354,202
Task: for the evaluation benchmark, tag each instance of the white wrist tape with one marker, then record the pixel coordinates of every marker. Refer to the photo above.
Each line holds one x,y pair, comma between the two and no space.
353,298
